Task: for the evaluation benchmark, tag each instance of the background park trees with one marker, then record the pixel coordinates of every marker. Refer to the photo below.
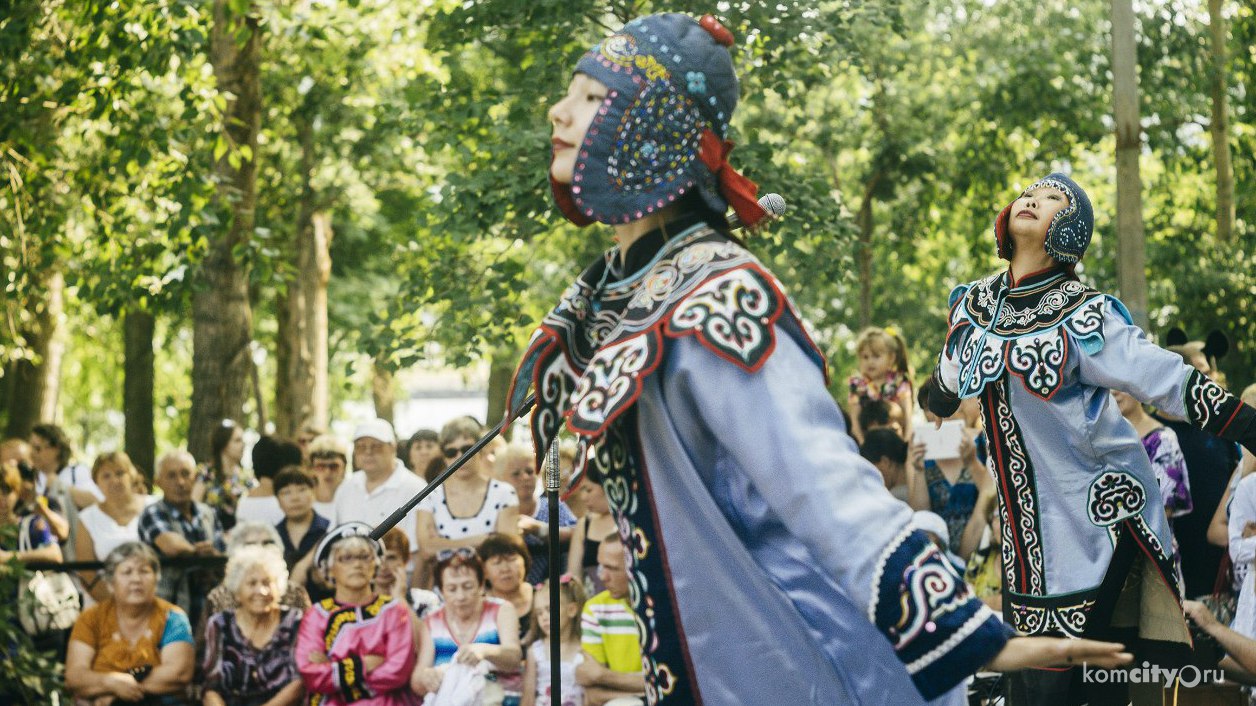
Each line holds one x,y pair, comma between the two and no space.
257,209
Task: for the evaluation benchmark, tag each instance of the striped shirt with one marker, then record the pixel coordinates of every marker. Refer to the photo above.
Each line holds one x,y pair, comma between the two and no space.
609,633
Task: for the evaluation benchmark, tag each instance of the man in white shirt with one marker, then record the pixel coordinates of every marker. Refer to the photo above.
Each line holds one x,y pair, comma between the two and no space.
382,484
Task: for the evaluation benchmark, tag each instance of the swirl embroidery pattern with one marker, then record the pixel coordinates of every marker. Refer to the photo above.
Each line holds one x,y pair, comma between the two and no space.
732,315
1115,496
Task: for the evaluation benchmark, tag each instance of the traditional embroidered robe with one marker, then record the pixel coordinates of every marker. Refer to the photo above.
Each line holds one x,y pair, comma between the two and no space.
1086,545
767,561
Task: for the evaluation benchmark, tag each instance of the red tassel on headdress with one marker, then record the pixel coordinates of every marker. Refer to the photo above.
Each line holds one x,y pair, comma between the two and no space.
737,190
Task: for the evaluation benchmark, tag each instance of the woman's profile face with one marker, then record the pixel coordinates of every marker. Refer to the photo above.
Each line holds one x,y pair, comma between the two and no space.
570,118
1033,211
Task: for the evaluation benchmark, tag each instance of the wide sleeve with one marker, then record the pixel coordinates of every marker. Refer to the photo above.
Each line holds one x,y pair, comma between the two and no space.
318,677
1242,511
1128,362
397,643
780,427
943,384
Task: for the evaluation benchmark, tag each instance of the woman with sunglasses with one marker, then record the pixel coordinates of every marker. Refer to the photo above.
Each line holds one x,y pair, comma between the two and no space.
471,505
470,628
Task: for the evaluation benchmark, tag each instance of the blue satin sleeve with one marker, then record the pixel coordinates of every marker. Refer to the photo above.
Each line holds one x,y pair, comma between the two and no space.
780,431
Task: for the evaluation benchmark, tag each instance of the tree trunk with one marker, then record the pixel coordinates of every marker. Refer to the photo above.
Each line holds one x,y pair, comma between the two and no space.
302,389
1220,123
863,252
34,380
382,392
500,373
222,317
137,390
1131,251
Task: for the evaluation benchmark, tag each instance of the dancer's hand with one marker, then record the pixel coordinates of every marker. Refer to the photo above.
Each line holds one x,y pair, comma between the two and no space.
1034,652
1199,614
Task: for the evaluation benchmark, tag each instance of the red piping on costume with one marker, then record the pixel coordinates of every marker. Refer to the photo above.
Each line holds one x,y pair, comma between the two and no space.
1233,414
1007,502
737,189
629,402
780,309
1063,364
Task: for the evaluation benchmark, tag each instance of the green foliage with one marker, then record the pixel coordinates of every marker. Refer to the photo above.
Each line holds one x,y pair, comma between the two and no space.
28,675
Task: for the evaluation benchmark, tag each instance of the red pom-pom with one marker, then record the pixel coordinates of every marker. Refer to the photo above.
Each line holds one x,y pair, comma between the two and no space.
717,30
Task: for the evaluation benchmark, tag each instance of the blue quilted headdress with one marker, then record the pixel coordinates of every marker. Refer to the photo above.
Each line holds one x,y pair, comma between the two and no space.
660,132
1068,236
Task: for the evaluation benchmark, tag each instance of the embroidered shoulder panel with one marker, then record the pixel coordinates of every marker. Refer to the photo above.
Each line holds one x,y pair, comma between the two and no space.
1030,334
590,356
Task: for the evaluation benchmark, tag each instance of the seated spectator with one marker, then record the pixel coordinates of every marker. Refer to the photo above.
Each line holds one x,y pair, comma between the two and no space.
51,455
132,646
612,652
381,485
471,504
506,563
111,522
301,529
948,486
1240,649
43,546
582,561
470,628
248,657
221,482
270,455
514,466
422,448
176,526
357,647
329,458
881,414
1166,455
886,450
306,436
566,630
566,466
254,534
392,580
982,543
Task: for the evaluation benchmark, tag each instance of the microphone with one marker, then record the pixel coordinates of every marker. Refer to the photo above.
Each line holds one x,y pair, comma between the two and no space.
774,204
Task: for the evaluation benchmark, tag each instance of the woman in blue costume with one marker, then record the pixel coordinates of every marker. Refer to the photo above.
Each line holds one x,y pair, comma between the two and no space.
1087,550
768,563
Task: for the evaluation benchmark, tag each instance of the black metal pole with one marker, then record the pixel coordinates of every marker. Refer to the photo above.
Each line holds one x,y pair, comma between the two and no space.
391,521
552,482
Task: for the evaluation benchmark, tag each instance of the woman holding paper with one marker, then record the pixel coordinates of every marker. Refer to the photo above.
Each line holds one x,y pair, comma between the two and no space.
947,475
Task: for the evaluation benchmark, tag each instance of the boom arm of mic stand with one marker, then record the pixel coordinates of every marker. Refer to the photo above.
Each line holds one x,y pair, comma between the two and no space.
391,521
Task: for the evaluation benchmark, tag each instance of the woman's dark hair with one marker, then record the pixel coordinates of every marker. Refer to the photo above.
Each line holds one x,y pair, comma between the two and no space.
498,544
883,443
271,454
459,560
55,437
218,441
874,413
434,467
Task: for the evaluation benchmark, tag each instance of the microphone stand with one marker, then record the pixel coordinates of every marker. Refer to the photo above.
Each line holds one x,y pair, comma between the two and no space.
552,482
391,521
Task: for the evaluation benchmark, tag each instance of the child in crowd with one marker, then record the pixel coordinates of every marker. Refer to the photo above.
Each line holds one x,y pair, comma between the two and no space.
536,675
884,374
301,528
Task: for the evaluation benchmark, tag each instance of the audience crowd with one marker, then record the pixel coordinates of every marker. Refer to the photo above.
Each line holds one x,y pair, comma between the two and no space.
453,603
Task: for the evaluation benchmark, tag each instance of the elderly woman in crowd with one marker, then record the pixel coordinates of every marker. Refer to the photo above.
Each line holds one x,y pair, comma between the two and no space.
255,534
357,647
421,450
133,646
114,521
471,627
471,504
248,650
329,457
